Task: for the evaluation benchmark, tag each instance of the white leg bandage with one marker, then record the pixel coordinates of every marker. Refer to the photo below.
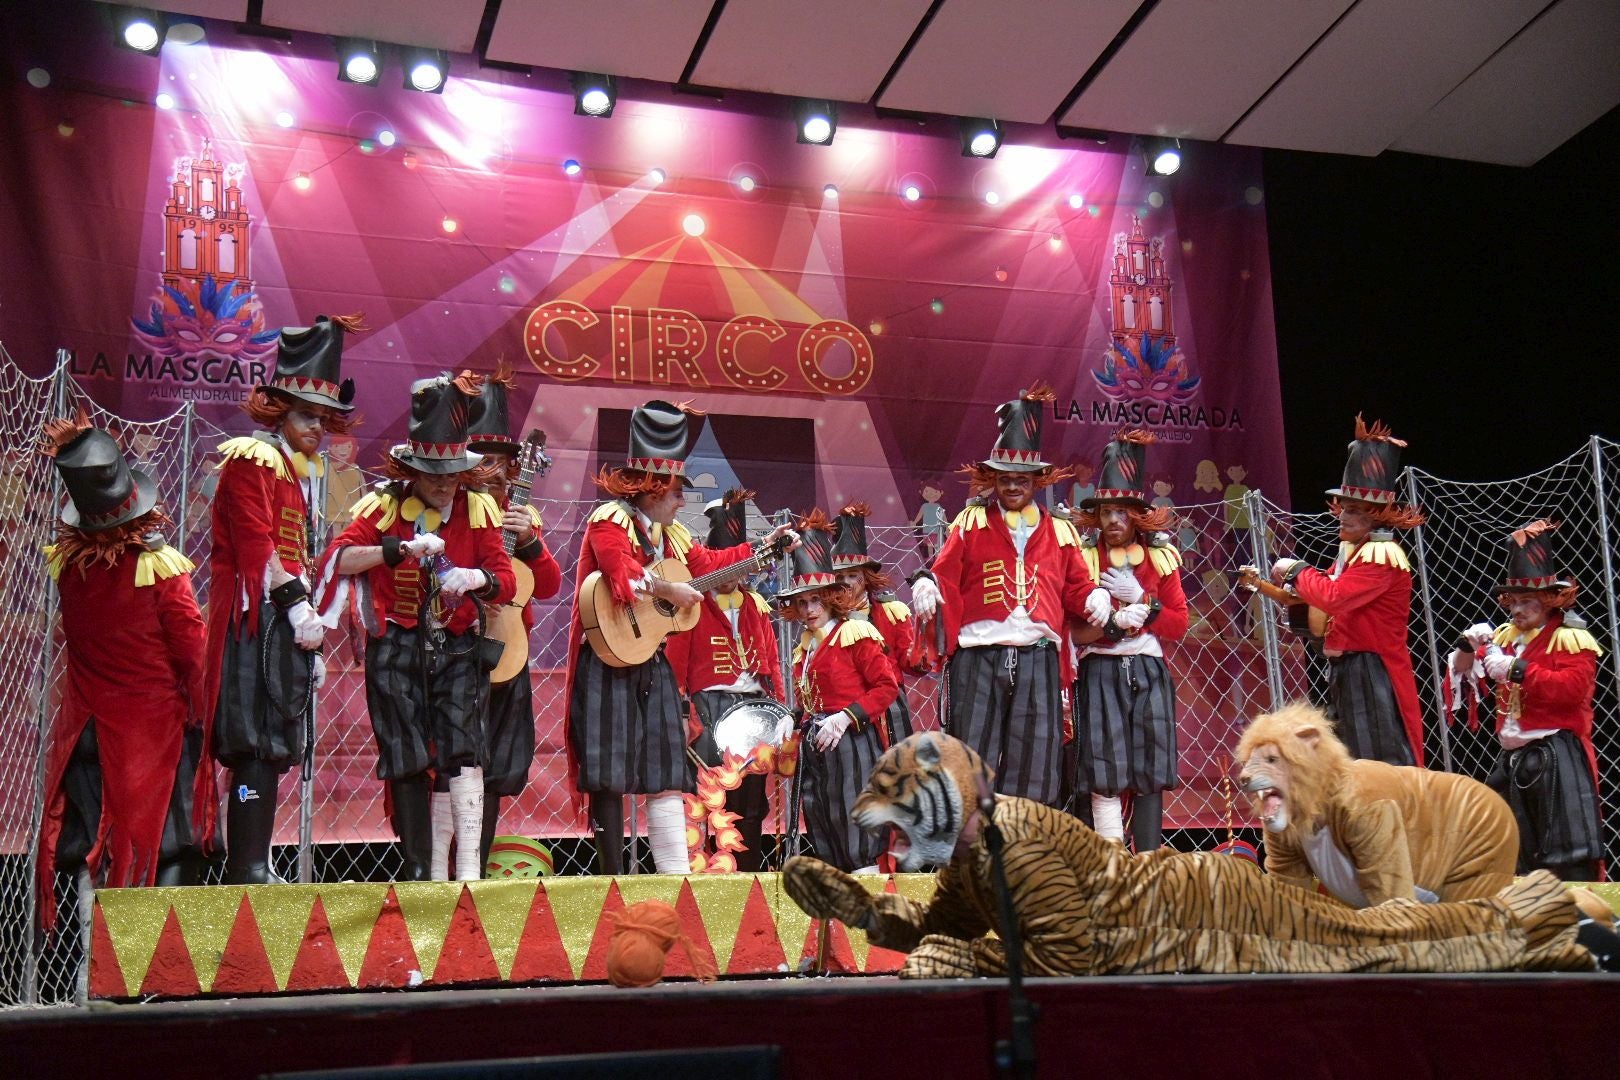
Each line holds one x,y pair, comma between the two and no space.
444,827
467,803
1106,812
666,832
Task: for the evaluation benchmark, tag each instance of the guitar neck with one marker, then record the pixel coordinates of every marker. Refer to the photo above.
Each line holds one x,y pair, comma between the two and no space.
757,561
517,500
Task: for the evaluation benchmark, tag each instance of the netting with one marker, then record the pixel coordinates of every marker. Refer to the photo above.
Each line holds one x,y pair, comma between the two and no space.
1238,657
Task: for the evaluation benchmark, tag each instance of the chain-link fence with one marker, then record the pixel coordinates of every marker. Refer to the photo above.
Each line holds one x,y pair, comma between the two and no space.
1238,656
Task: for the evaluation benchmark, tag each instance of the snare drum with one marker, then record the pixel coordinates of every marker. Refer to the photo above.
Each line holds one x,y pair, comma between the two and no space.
749,723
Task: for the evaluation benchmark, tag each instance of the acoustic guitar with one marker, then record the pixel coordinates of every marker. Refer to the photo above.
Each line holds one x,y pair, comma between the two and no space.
1304,621
507,626
624,636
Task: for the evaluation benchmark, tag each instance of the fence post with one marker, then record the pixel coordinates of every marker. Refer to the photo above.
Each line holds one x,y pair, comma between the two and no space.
1436,676
1604,545
784,657
1259,550
183,496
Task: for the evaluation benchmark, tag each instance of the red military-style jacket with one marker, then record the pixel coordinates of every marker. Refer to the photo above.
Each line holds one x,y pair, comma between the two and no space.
1369,603
848,672
1555,687
1157,566
976,571
709,654
393,594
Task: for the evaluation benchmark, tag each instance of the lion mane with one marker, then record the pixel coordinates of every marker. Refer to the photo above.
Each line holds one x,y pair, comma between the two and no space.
1317,774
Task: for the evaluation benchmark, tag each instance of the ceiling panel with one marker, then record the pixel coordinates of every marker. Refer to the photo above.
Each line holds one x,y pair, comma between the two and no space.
229,10
1007,59
1560,74
639,39
1192,68
837,49
1384,65
432,24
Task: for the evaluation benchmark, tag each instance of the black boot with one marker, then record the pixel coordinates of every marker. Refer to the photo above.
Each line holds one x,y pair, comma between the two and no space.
1147,822
250,822
413,823
751,804
183,869
1601,942
607,823
492,821
1580,871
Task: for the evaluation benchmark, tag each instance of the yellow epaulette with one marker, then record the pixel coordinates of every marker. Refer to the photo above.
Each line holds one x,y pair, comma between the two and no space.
1506,634
152,567
896,610
615,512
1382,553
1067,534
1092,554
852,630
1166,559
1574,639
483,512
251,448
53,560
760,602
535,521
680,539
381,498
971,517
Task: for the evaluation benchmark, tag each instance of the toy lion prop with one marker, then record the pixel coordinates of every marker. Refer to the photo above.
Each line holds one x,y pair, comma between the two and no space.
1086,906
1370,832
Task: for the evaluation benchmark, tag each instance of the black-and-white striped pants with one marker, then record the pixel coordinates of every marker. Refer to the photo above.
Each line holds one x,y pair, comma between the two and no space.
510,730
628,727
1125,724
832,782
1007,703
258,718
1365,714
418,722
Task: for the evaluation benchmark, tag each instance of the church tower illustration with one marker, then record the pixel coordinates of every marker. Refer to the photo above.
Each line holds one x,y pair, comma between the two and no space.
1141,289
205,225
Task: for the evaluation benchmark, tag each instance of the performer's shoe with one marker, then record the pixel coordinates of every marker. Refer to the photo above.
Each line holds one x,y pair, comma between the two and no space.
1602,942
413,824
250,822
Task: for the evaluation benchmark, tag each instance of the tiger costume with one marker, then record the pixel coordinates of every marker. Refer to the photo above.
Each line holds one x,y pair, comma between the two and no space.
1086,906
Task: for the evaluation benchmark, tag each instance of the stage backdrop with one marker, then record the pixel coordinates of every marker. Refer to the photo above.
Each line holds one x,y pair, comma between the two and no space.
847,344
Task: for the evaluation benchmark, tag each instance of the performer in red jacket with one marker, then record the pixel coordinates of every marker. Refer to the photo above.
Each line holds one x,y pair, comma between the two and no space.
626,726
121,798
1006,578
1544,663
1372,693
509,726
1124,698
729,657
844,685
427,554
263,656
870,598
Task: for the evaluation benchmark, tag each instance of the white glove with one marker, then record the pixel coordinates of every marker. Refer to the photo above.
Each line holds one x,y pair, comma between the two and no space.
1480,634
458,581
318,670
830,730
784,730
924,598
1280,569
1497,663
308,630
424,546
1132,616
1121,583
1099,605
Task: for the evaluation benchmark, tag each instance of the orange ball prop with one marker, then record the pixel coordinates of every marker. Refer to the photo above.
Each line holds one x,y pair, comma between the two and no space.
642,936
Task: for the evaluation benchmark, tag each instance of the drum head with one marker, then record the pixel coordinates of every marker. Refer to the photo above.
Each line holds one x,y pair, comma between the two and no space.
747,724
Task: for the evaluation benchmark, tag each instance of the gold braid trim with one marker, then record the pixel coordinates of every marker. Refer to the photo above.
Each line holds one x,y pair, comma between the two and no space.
248,448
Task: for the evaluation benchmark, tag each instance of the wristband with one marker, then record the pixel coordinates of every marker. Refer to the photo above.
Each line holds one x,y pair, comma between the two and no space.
1154,608
392,554
1516,672
857,716
529,550
289,593
911,579
491,586
1293,572
1112,631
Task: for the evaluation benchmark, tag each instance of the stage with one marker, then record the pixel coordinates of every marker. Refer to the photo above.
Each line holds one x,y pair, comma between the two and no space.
1196,1026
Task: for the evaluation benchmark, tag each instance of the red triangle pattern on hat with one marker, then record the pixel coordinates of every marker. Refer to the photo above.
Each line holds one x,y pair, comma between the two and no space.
1016,457
665,466
437,451
305,385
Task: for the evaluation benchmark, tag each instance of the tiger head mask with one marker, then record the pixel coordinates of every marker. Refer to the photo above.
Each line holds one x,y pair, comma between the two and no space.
926,787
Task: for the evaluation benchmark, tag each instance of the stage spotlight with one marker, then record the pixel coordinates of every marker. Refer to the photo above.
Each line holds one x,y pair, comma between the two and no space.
745,182
1163,156
387,137
992,197
830,191
164,100
657,176
911,193
1077,201
980,138
693,225
594,95
817,121
302,181
285,119
358,61
425,69
571,167
140,30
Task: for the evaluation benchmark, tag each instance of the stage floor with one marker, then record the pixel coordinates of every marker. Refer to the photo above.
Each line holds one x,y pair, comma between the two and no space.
1477,1027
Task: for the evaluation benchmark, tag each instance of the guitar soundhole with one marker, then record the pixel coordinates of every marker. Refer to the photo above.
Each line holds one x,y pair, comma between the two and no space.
665,608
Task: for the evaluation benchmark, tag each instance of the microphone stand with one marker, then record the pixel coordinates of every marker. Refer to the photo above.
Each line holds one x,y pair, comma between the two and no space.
1015,1055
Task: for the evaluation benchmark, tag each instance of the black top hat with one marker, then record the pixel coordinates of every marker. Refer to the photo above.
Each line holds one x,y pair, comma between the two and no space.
103,491
1530,560
1018,440
1124,468
849,540
658,439
490,428
728,519
1375,462
810,564
309,360
437,440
